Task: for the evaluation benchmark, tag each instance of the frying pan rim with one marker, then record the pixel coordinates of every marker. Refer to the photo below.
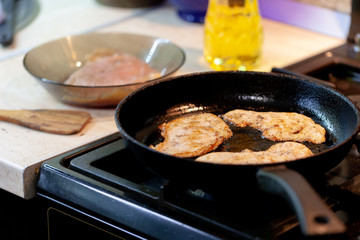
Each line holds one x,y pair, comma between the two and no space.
259,165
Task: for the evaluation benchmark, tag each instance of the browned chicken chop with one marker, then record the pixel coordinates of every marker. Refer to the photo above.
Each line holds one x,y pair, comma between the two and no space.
192,136
279,126
280,152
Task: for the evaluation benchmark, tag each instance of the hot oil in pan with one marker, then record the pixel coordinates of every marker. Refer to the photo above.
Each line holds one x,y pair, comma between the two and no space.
245,138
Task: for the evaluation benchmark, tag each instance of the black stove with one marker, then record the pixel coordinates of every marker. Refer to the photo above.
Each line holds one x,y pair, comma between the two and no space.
102,189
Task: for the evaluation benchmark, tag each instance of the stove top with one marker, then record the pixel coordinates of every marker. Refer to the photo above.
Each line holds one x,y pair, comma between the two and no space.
106,179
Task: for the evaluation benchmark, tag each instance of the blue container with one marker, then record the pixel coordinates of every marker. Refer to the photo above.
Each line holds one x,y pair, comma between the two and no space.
191,10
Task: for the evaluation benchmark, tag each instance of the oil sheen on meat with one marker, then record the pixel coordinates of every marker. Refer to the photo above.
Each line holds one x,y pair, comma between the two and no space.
280,152
279,126
193,135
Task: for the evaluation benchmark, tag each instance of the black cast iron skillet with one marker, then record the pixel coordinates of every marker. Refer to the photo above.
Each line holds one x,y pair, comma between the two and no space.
139,115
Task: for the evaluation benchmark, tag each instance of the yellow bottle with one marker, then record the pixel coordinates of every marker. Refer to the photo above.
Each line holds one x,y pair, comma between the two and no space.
233,34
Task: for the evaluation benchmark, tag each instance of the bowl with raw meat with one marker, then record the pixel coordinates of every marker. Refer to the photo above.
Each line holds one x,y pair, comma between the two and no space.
100,69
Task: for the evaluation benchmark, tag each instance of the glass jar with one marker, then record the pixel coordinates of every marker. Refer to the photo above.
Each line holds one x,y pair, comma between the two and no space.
233,34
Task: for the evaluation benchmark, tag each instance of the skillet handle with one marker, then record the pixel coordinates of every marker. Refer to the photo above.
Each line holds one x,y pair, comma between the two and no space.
314,216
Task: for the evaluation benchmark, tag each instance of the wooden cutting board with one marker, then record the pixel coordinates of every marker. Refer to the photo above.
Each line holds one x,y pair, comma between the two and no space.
51,121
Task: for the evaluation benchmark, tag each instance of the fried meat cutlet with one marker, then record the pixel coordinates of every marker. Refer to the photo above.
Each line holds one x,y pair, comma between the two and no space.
280,152
192,136
279,126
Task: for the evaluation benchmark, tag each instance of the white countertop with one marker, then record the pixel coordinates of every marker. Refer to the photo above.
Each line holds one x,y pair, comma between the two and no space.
23,150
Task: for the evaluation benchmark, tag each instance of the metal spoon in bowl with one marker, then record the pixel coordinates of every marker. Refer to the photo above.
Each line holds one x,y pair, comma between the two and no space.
52,121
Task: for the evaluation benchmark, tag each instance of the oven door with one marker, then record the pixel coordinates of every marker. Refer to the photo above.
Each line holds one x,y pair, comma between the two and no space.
66,221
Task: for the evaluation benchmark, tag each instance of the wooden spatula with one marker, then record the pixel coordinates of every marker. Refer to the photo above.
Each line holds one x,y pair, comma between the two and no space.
52,121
